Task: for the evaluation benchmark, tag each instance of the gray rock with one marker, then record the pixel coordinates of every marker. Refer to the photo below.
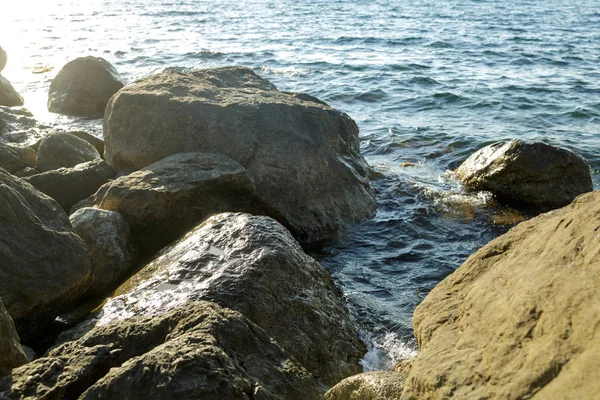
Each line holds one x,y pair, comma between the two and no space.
535,174
91,139
62,149
108,237
18,125
8,95
25,172
253,265
15,158
45,265
377,385
12,354
70,185
164,200
3,58
303,155
83,87
199,351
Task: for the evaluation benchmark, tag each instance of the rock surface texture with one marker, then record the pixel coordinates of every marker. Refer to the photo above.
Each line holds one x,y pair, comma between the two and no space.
379,385
83,87
62,149
520,319
70,185
253,265
303,155
108,237
8,95
15,158
531,173
164,200
11,352
198,351
45,265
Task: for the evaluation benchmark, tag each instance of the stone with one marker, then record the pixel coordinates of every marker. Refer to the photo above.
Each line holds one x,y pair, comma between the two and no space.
8,95
303,155
18,125
70,185
91,139
45,266
3,58
12,354
107,235
164,200
83,87
519,172
253,265
520,319
15,158
25,172
377,385
62,149
197,351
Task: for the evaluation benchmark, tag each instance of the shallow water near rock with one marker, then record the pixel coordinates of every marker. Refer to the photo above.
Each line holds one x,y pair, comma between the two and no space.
427,83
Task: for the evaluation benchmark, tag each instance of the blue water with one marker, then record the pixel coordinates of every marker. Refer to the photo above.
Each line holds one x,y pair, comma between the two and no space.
427,83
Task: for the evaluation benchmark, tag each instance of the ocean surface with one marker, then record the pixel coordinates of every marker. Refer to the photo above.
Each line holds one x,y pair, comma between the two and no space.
428,83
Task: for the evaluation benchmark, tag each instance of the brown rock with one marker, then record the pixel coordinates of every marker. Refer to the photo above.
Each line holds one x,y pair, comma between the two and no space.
62,149
378,385
11,352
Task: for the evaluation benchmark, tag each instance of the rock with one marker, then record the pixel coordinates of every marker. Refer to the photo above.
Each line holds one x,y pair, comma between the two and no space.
12,354
520,318
25,172
303,155
108,237
45,265
70,185
164,200
198,351
3,58
91,139
253,265
378,385
18,125
15,158
83,87
61,149
531,173
8,95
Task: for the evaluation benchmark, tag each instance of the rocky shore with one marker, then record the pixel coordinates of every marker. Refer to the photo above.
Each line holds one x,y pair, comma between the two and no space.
168,260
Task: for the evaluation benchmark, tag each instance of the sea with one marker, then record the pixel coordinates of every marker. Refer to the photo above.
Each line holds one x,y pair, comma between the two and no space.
428,82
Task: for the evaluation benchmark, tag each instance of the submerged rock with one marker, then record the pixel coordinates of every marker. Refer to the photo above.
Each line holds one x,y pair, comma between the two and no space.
253,265
198,351
62,149
532,173
70,185
12,354
83,87
8,95
520,318
45,265
164,200
378,385
108,237
303,155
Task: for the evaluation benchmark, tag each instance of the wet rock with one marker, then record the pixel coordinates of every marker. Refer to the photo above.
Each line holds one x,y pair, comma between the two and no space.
520,318
8,95
378,385
45,265
108,237
83,87
303,155
198,351
536,174
62,149
3,58
164,200
15,158
18,125
253,265
12,354
70,185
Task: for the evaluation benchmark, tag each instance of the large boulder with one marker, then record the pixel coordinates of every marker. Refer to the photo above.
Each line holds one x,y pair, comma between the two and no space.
11,352
8,95
3,58
535,174
91,139
15,158
253,265
83,87
45,265
198,351
164,200
70,185
108,237
62,149
303,155
520,319
377,385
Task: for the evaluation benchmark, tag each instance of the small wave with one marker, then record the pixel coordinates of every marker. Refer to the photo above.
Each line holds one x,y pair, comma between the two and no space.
522,61
384,352
206,55
449,97
423,80
288,71
440,45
